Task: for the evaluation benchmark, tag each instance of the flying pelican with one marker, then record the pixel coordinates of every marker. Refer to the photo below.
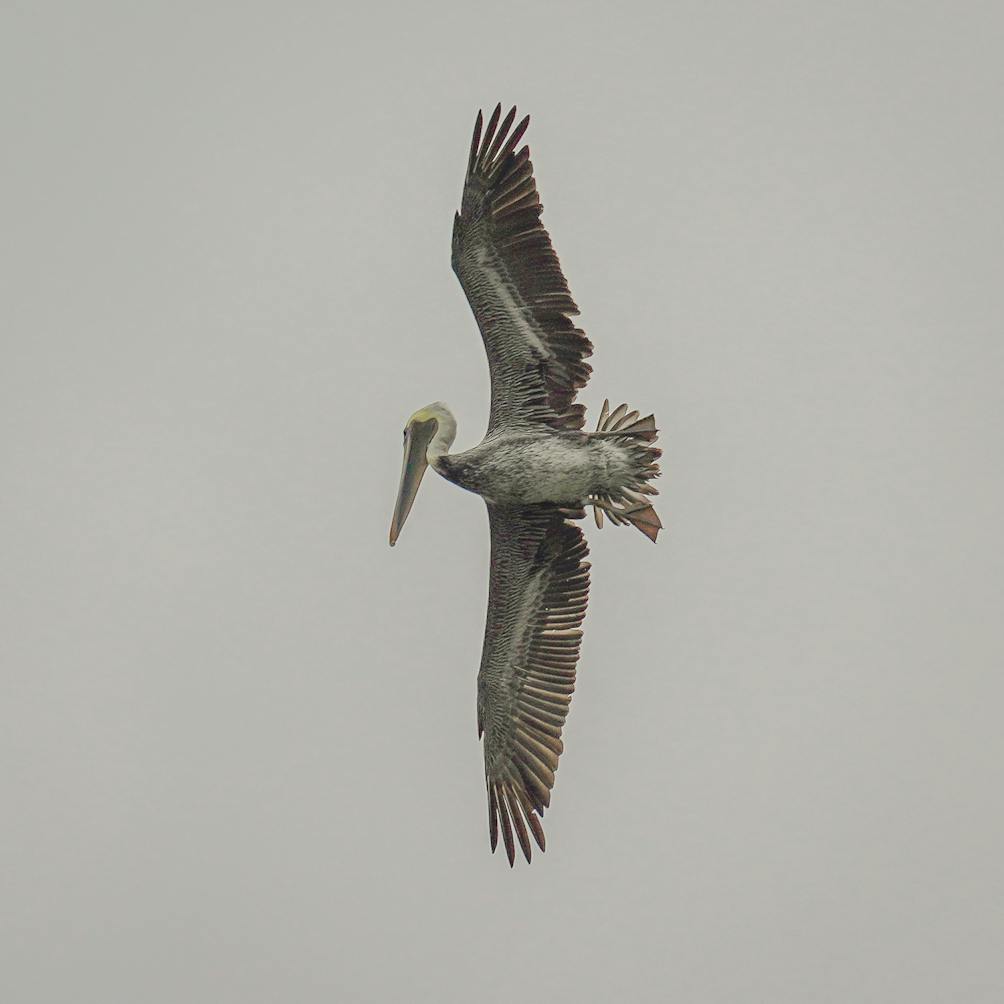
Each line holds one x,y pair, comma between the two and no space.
536,470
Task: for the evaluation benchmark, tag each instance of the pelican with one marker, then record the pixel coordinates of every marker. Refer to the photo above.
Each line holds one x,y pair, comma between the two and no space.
537,471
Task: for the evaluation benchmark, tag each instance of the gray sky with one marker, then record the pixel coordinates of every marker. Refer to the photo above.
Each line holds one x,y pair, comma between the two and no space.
238,731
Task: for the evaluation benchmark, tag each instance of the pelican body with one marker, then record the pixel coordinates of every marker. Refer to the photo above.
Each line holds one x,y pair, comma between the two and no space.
525,468
537,471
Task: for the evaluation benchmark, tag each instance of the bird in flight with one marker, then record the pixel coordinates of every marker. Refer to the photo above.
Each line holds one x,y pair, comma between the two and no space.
536,469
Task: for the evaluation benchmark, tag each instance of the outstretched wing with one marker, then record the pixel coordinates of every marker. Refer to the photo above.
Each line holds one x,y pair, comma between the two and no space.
503,257
536,603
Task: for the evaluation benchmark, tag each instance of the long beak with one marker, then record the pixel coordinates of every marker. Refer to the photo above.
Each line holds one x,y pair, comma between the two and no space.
412,469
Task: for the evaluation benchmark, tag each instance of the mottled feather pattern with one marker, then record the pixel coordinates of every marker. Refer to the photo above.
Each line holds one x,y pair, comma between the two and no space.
537,601
512,278
535,469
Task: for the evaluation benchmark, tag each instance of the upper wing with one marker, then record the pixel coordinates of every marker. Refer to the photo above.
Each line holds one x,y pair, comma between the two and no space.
536,603
503,257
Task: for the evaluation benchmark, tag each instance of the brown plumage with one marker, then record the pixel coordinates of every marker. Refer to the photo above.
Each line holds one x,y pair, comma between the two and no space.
504,259
536,604
536,469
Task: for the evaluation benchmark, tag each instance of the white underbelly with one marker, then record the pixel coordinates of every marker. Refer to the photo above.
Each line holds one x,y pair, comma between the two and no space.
550,469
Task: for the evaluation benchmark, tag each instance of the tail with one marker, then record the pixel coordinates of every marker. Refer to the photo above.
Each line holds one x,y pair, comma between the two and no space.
630,504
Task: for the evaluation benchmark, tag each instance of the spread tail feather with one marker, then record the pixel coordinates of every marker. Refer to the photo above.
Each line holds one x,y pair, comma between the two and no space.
644,516
630,505
626,423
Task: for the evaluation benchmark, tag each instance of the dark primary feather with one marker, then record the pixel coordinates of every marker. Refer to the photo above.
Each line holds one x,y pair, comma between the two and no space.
505,262
536,603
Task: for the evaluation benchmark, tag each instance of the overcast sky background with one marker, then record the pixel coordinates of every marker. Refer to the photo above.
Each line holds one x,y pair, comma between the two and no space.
237,731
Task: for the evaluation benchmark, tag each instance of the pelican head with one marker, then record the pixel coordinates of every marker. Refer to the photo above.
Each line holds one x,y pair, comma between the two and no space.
428,435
